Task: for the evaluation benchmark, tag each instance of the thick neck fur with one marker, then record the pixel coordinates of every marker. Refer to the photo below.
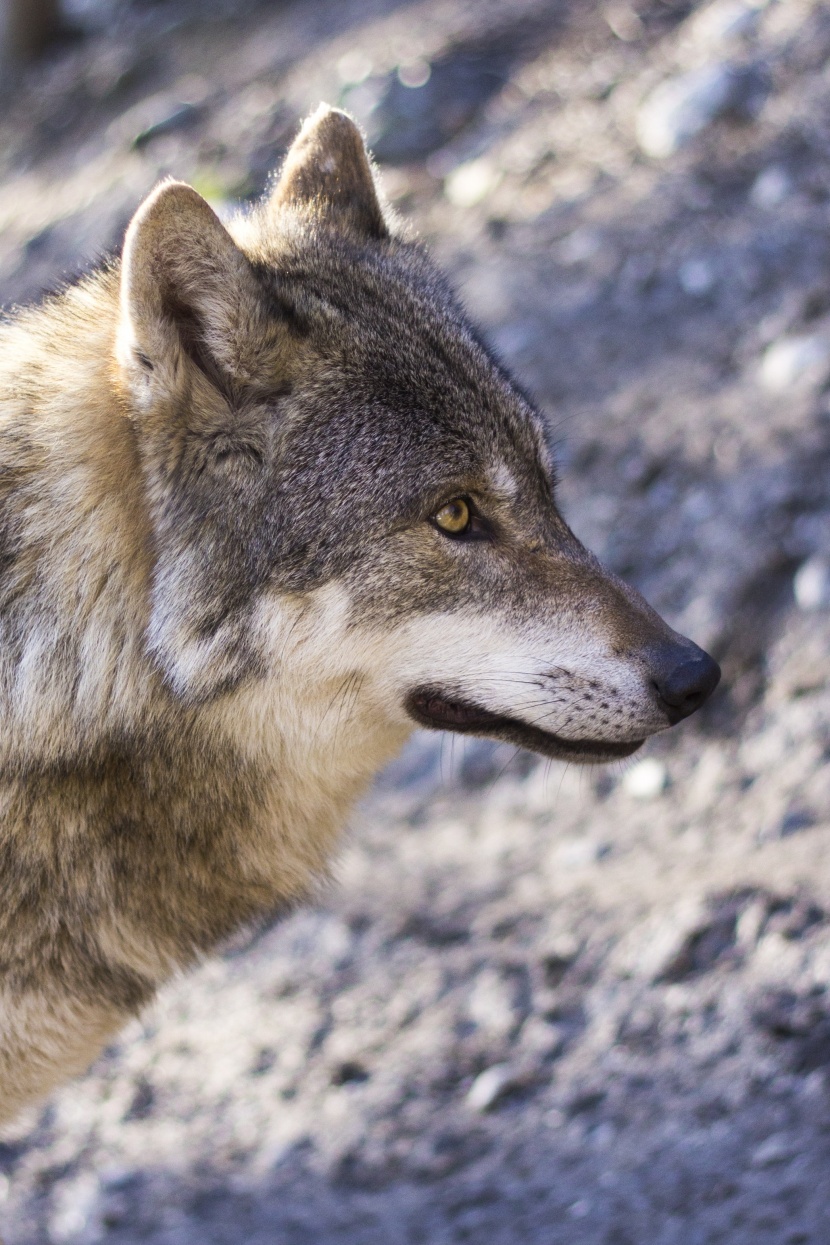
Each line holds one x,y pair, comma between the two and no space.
156,827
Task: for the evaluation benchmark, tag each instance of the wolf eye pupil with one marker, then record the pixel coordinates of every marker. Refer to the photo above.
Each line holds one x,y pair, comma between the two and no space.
454,517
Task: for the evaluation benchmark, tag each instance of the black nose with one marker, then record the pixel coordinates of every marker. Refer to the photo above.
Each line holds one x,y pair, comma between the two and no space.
687,678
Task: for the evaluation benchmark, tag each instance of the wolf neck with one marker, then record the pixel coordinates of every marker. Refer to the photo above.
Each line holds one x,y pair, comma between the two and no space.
219,812
74,555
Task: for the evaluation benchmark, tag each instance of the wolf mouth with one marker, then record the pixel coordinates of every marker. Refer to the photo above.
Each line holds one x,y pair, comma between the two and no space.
436,710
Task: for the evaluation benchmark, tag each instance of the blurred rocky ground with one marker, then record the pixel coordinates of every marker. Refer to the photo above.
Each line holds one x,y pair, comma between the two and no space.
547,1006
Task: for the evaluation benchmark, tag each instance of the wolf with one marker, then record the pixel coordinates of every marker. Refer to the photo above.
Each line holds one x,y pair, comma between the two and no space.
267,503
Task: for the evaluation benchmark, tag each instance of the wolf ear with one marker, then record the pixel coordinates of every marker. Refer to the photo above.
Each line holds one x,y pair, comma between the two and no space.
187,291
327,173
193,328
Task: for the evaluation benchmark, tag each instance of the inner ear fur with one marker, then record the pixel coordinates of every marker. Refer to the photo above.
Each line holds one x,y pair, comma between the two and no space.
186,290
328,174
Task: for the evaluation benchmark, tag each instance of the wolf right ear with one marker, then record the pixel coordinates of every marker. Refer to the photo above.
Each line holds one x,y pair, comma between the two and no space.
194,330
187,294
328,174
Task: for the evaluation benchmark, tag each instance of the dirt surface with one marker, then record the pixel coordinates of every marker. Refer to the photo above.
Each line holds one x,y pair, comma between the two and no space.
587,1007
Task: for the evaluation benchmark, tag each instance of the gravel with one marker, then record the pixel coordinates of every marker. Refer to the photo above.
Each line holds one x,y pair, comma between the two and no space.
587,1007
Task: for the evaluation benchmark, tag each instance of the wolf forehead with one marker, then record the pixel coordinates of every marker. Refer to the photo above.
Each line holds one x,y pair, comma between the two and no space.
374,398
395,407
395,385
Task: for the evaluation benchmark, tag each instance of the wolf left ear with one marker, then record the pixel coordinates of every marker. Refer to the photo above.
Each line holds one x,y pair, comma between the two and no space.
327,174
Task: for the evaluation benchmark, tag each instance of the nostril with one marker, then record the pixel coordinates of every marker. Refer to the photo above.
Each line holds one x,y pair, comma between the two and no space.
686,686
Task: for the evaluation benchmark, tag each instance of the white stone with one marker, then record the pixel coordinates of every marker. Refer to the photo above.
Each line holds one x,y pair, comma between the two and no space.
680,108
74,1214
470,183
580,1209
491,1003
776,1149
795,362
624,22
489,1086
770,188
579,853
579,246
750,924
354,67
652,949
646,780
541,1039
696,276
722,22
602,1137
811,584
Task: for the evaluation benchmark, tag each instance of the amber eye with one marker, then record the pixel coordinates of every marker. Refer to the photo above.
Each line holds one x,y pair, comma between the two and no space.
454,517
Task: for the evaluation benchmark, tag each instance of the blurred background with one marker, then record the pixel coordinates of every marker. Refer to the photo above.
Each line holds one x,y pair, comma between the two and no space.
539,1006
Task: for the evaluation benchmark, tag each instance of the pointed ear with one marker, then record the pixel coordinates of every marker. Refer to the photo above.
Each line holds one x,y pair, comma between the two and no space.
187,293
194,328
327,173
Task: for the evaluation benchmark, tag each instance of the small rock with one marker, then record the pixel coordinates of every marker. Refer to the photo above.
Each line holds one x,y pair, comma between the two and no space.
811,584
577,247
579,853
770,188
579,1209
623,21
74,1210
696,277
646,780
795,363
680,108
776,1149
602,1137
694,942
349,1072
750,923
489,1086
540,1039
491,1003
354,67
558,954
470,183
722,22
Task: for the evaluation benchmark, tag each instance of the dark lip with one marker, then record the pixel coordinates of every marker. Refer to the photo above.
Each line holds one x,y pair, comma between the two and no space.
438,710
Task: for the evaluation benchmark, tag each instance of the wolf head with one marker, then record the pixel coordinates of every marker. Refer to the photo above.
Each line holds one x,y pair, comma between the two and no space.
344,483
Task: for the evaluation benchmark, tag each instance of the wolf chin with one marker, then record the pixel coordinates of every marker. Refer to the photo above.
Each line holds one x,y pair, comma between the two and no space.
266,503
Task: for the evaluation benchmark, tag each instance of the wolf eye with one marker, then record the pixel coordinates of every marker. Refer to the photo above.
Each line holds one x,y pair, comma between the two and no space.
454,517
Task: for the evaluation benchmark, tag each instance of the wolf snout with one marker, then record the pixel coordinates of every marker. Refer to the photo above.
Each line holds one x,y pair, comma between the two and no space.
684,677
